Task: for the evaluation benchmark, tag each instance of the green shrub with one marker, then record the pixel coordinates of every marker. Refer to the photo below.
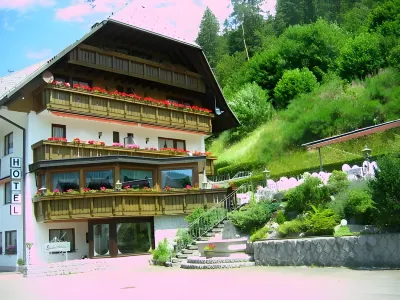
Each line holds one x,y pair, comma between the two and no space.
311,192
338,181
361,56
385,190
344,231
280,217
359,205
294,226
322,222
183,238
163,252
260,234
252,216
194,215
252,107
293,83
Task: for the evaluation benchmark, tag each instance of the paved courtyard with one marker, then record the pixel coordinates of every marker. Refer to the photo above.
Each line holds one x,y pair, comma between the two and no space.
145,282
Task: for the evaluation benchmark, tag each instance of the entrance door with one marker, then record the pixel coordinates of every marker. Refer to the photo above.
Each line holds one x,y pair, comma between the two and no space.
134,238
120,236
101,240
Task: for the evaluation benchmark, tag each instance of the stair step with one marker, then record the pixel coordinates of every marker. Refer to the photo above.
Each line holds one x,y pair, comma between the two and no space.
220,226
217,229
187,251
177,260
193,247
217,266
176,264
183,256
204,238
219,260
210,234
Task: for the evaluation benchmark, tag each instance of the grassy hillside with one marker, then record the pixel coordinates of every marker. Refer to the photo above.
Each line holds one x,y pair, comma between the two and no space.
331,109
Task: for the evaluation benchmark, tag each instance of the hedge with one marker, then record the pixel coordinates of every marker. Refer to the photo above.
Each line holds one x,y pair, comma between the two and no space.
233,169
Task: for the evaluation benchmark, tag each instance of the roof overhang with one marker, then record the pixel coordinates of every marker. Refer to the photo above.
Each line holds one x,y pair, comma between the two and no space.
193,52
353,135
112,159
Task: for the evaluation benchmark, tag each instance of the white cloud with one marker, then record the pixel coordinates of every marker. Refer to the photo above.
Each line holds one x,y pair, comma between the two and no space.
176,18
24,5
41,54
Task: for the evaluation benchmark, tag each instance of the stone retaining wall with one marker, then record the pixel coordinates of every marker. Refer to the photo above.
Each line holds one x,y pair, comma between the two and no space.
374,250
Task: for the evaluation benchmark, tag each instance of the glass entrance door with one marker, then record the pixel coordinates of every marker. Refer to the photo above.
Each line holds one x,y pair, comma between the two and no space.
101,239
134,238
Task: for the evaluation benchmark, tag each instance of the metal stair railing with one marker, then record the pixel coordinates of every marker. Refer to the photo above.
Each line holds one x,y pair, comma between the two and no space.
211,217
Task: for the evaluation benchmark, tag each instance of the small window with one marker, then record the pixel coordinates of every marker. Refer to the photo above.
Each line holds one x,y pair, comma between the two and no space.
66,181
59,131
115,137
137,179
8,144
171,143
177,178
11,242
96,180
7,193
63,235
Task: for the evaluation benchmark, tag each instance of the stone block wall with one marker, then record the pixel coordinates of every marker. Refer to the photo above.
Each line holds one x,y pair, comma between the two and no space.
167,226
374,250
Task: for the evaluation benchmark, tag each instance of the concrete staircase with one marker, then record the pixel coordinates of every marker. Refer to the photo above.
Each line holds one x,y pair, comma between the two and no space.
191,257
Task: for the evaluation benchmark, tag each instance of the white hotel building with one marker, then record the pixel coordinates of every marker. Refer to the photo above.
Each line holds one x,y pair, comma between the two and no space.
110,135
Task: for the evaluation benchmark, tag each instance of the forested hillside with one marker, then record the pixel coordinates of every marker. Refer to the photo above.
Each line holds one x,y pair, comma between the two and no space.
315,69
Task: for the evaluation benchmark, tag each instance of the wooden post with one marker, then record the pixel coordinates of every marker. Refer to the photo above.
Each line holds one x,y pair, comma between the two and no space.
48,210
123,205
113,205
70,207
92,206
140,204
81,180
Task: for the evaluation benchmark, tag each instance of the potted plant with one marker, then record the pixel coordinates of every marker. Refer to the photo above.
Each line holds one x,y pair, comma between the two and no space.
20,265
209,250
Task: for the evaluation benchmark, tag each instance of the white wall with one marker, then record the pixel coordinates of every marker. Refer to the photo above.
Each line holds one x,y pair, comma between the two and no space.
41,237
167,226
88,130
8,222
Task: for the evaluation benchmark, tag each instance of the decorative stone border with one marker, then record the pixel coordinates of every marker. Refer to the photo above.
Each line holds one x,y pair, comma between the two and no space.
365,251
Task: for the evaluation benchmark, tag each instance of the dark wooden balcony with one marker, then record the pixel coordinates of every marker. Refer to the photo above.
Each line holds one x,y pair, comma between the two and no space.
93,57
56,150
66,99
123,204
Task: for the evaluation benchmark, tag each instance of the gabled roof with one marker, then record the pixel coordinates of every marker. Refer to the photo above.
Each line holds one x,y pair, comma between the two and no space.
12,80
225,121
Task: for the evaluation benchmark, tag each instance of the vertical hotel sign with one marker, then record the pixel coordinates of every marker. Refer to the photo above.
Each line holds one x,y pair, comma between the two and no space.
16,186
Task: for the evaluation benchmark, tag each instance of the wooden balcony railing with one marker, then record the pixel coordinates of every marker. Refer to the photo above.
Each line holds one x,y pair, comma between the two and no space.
72,100
119,204
48,150
93,57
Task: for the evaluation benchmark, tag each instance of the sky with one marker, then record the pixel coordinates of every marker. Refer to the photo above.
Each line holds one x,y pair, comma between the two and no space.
35,30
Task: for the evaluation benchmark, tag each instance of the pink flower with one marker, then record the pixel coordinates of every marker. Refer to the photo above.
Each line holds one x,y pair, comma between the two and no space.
102,188
127,187
188,187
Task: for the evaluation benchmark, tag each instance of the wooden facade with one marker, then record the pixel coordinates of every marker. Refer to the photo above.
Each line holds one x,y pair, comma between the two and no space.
123,204
114,62
48,150
83,102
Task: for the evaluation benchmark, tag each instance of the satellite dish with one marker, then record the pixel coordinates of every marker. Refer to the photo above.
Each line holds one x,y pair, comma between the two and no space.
47,77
